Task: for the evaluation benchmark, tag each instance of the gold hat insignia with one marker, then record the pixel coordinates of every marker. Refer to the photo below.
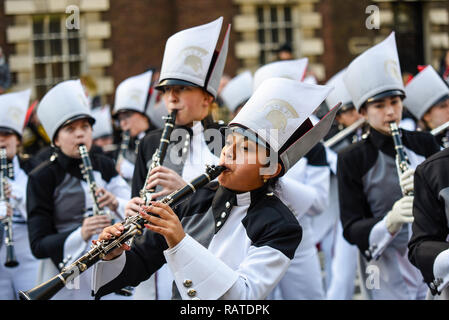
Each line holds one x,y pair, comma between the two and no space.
391,68
135,97
278,112
193,57
14,113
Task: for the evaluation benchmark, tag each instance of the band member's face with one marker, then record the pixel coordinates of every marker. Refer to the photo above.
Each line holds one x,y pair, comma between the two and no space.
192,103
381,112
11,142
70,136
133,121
437,115
244,160
348,117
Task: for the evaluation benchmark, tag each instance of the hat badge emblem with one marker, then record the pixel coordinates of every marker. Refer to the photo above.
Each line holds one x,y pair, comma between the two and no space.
278,112
135,97
391,68
14,114
193,58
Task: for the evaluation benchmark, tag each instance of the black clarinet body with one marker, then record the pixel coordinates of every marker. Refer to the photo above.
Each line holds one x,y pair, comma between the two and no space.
159,154
132,226
87,172
11,260
126,136
402,161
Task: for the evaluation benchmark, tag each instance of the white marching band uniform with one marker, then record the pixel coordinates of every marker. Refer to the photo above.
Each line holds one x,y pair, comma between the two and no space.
23,276
55,218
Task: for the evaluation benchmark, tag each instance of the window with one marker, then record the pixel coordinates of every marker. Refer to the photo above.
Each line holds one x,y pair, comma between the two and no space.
57,52
275,29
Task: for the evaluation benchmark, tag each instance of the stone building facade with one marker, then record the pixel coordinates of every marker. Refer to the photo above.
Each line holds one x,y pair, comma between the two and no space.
115,39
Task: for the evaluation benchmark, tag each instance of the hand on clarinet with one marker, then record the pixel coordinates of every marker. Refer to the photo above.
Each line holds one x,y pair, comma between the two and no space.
406,180
8,190
164,221
105,198
402,212
94,225
109,232
132,207
166,178
9,212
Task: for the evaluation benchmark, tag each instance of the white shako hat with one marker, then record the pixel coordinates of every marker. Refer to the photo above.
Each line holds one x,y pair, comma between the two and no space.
375,74
278,114
190,57
103,122
424,91
133,94
64,103
13,107
289,69
238,90
340,93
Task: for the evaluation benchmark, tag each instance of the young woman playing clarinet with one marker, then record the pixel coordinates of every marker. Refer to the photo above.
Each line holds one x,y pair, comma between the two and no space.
233,239
189,80
375,199
18,267
59,199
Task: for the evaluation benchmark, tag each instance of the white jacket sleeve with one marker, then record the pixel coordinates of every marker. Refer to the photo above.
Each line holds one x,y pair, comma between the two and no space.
200,275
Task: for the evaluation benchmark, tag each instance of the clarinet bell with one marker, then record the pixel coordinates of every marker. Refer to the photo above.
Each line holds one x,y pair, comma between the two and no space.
11,260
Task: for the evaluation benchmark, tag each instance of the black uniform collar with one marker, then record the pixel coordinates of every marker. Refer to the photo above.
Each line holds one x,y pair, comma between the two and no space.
70,165
225,199
383,142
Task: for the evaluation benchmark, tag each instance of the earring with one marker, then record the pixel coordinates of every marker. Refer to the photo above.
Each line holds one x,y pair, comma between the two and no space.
265,180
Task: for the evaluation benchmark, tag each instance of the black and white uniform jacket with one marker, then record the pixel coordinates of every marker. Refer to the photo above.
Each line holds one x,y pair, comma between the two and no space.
188,152
368,186
58,197
237,246
428,247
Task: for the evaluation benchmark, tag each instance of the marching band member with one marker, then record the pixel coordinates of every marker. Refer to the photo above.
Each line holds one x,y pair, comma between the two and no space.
427,98
12,279
373,210
428,246
304,189
234,240
237,92
339,255
189,85
57,194
134,100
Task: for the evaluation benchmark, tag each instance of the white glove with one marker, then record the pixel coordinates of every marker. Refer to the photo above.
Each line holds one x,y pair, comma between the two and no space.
406,180
402,212
126,169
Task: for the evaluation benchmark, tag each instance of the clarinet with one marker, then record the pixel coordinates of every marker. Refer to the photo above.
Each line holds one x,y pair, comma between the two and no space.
11,260
86,170
402,162
132,226
159,154
123,145
443,128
